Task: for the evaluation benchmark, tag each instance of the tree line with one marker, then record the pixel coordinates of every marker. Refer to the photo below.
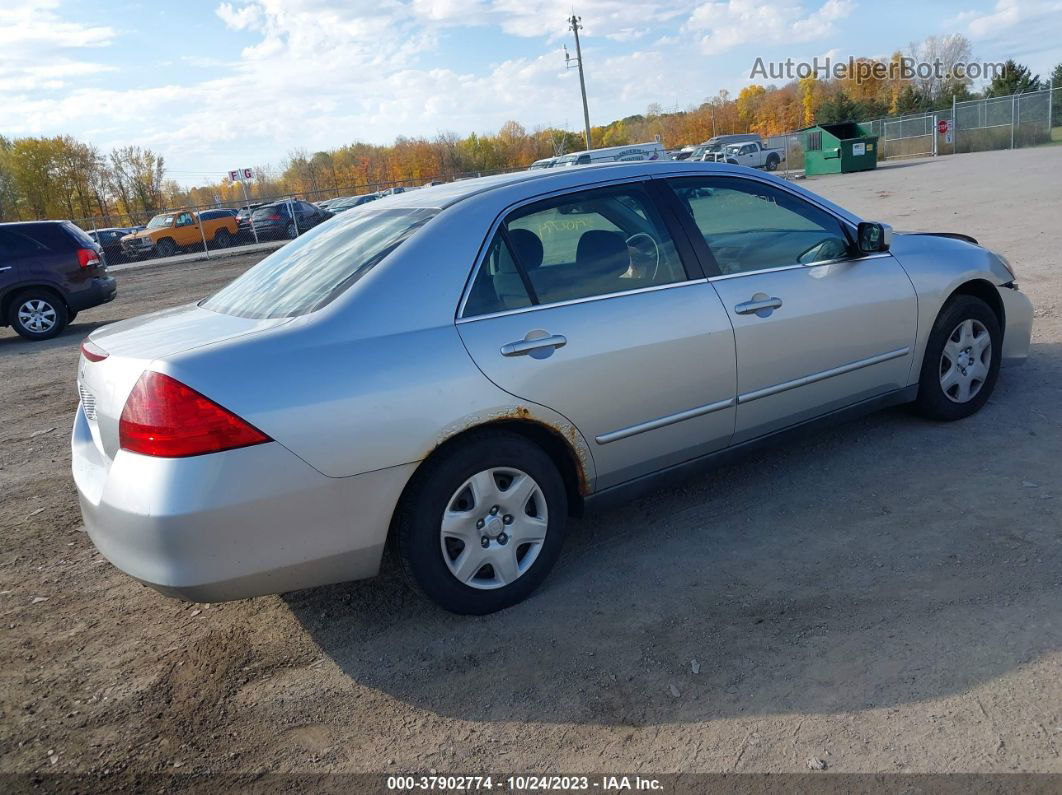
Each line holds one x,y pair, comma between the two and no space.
61,177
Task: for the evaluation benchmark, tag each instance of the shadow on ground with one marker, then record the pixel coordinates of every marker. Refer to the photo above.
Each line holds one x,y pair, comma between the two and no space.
887,561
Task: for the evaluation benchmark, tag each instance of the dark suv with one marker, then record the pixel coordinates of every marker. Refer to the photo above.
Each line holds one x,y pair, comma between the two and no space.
49,271
275,220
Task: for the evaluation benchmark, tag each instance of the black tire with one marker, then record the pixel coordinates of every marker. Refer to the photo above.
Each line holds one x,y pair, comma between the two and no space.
223,239
772,162
166,247
291,232
933,402
52,309
419,517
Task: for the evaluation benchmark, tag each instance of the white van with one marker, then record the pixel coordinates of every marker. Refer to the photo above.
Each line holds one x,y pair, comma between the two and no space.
654,150
546,162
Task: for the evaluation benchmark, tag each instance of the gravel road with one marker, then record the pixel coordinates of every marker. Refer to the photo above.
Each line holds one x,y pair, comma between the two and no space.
885,596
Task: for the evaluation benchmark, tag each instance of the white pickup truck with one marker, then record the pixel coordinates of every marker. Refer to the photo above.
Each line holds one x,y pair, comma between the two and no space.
752,154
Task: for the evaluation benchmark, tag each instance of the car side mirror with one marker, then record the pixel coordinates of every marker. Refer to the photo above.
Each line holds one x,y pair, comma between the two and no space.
873,237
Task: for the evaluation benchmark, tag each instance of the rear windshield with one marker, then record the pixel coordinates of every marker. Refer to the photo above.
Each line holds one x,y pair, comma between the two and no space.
313,269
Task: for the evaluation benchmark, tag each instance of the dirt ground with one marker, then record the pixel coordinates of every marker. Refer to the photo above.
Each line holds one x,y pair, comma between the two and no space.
886,596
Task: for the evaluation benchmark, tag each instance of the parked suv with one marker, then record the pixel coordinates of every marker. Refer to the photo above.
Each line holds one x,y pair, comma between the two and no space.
275,220
49,271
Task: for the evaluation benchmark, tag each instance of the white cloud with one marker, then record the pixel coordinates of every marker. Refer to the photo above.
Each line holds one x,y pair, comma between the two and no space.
39,47
721,26
1028,30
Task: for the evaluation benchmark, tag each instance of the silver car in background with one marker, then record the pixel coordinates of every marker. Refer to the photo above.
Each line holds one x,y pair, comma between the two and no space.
460,368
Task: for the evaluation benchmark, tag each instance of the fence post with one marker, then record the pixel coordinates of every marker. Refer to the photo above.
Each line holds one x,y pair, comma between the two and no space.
1050,109
202,233
1013,103
294,220
936,135
250,212
954,127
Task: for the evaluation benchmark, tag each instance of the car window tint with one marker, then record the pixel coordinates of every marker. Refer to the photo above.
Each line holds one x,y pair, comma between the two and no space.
16,244
498,285
751,226
594,243
312,270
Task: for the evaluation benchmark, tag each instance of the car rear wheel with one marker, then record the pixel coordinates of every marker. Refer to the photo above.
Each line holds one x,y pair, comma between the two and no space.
961,362
482,525
291,232
166,248
772,163
38,315
223,239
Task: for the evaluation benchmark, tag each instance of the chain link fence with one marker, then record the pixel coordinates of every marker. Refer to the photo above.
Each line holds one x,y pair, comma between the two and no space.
1033,118
247,222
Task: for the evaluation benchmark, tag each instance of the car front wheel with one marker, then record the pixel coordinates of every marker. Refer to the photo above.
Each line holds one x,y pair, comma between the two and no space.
961,362
482,524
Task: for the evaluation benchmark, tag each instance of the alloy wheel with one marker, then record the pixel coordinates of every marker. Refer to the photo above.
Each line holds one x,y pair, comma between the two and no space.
37,315
493,528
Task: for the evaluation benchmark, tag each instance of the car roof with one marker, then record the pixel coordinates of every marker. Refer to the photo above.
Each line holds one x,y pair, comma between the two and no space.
31,223
442,196
525,184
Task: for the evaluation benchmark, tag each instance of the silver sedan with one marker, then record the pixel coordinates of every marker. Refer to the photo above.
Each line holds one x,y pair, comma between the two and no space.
459,369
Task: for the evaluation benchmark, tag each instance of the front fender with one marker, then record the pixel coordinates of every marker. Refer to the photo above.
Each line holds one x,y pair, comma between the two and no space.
937,267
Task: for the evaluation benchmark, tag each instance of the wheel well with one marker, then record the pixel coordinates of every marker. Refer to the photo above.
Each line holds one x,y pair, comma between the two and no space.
9,297
549,440
986,291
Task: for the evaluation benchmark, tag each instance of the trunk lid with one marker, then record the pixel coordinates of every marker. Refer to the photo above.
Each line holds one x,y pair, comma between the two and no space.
132,345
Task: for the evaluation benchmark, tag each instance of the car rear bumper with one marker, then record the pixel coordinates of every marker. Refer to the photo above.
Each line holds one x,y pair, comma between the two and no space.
1018,311
99,291
232,525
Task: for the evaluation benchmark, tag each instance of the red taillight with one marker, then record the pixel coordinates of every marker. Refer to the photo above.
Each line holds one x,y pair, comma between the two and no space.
274,217
165,418
92,351
87,258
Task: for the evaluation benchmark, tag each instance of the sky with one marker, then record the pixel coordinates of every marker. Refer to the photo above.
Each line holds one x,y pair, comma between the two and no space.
215,86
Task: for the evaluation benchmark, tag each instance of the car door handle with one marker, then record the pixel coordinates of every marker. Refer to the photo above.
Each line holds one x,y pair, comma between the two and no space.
758,305
524,347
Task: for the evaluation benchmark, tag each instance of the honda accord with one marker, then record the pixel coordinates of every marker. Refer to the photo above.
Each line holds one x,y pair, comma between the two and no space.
457,370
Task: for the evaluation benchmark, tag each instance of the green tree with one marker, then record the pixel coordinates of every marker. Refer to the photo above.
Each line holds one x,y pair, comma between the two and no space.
837,108
1014,78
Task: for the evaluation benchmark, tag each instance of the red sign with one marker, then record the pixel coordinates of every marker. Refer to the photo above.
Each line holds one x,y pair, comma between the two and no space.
943,125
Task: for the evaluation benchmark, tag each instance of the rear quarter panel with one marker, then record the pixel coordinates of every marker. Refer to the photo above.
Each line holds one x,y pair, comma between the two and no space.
350,404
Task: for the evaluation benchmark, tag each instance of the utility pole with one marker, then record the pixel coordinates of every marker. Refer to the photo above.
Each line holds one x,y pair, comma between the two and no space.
574,26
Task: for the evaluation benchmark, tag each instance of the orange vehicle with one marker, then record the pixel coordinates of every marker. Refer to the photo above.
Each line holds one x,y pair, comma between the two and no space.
167,233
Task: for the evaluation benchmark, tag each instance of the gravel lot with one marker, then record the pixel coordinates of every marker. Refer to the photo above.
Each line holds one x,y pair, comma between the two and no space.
884,596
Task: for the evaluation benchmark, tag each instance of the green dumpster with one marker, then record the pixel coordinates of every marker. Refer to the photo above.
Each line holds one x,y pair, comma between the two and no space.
839,149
